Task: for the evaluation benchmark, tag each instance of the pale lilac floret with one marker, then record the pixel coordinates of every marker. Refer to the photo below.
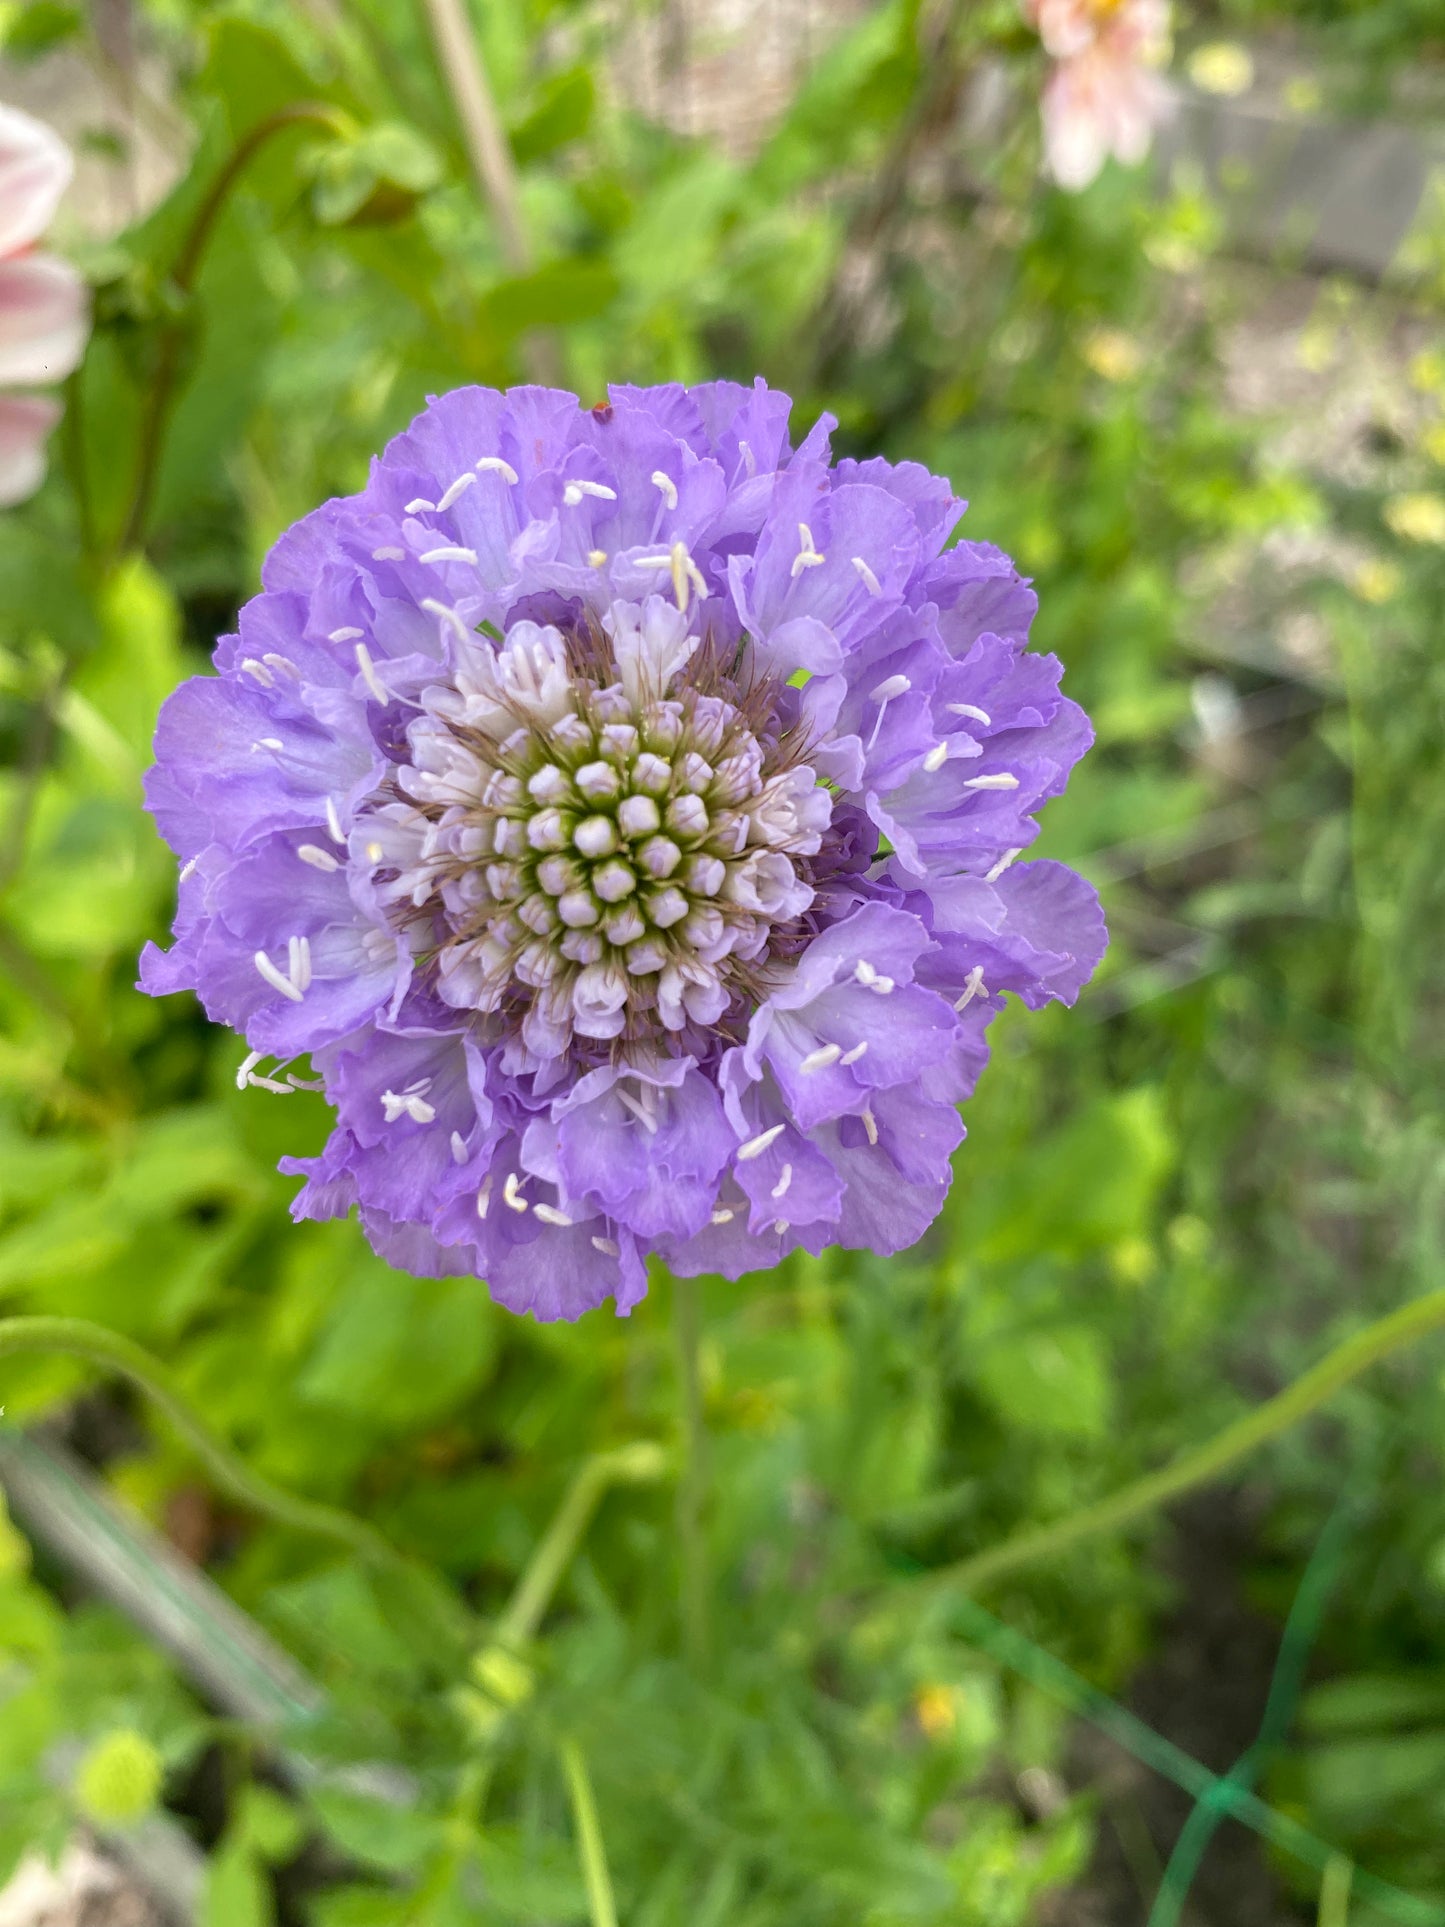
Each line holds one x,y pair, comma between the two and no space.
622,812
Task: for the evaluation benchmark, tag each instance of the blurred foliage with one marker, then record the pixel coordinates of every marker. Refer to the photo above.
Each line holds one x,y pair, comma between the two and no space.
1169,1200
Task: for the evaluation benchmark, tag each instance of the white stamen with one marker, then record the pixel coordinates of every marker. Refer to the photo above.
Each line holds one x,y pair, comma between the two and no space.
450,552
305,1083
419,505
936,758
750,463
755,1146
549,1214
369,675
333,822
686,575
271,1084
606,1247
188,869
870,581
1002,781
445,613
820,1059
574,492
639,1111
407,1104
881,986
345,635
268,742
780,1189
259,671
597,558
870,1126
274,977
972,711
780,1225
247,1065
484,1195
722,1215
667,486
510,1190
301,970
890,687
283,665
318,858
293,960
497,467
1008,857
864,971
388,555
807,556
459,1148
973,986
421,1084
467,479
852,1056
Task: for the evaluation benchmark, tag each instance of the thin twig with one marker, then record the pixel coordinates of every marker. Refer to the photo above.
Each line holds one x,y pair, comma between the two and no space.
495,172
601,1908
1235,1442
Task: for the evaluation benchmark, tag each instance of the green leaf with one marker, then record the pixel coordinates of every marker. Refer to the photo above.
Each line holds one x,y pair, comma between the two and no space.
236,1892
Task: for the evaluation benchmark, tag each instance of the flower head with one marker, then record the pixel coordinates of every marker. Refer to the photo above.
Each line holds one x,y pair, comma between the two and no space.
1104,95
619,807
42,302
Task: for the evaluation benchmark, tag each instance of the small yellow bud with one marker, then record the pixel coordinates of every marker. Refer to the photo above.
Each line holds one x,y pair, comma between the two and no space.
1223,67
120,1778
936,1708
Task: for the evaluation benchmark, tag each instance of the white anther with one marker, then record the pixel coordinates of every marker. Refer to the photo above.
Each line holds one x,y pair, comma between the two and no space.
973,986
298,962
450,552
467,479
484,1196
374,853
864,972
807,556
936,758
259,671
820,1059
333,822
304,1083
188,869
890,687
549,1214
1008,857
852,1056
445,613
419,505
606,1247
644,1117
275,978
723,1216
270,1084
755,1146
870,581
283,665
972,711
667,487
1002,781
510,1190
369,675
881,986
318,858
686,575
247,1065
388,555
459,1148
268,742
870,1126
407,1104
574,492
497,467
780,1189
597,558
345,635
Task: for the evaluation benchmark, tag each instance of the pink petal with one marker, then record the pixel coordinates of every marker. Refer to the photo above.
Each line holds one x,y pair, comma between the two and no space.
35,170
25,421
42,319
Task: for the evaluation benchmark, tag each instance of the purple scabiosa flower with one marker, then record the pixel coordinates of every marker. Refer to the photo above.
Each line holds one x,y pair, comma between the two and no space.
619,807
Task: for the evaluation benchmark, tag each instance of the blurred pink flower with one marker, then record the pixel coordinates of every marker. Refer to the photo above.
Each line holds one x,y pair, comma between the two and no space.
43,317
1104,95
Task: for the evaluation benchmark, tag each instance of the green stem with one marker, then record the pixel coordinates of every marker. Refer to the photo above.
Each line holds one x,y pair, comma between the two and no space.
1311,1390
1335,1893
79,1338
183,279
601,1908
692,1485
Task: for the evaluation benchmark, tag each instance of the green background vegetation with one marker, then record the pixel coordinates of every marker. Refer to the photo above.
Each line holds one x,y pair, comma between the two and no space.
1171,1200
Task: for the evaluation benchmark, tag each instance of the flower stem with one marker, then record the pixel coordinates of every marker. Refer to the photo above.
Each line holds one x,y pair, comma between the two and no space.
692,1485
1335,1892
601,1908
1205,1462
